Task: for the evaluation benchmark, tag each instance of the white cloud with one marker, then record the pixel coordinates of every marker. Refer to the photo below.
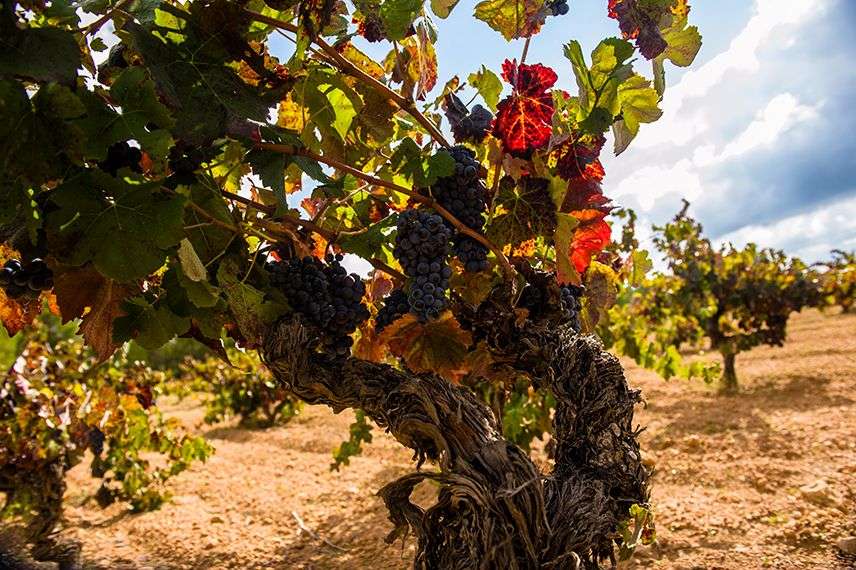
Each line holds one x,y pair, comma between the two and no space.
676,127
781,113
650,184
810,236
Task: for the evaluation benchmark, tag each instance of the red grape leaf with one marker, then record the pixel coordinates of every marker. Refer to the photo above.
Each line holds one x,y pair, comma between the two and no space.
577,162
524,120
590,237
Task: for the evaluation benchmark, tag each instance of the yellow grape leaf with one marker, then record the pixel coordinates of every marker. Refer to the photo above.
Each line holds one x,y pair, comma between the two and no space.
472,287
512,18
291,115
361,60
422,63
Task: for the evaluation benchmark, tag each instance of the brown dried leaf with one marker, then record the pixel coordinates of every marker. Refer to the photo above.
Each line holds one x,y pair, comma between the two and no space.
84,292
439,346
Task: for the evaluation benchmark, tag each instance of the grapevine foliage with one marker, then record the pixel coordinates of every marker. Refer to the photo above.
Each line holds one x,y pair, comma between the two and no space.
151,194
736,299
56,402
838,280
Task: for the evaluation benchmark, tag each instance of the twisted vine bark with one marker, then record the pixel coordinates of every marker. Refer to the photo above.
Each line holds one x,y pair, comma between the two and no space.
48,485
494,509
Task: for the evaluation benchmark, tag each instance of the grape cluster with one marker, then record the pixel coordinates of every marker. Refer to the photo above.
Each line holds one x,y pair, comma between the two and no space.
559,7
572,305
474,126
326,295
395,306
464,196
471,254
534,299
121,155
346,295
371,28
95,439
422,248
19,279
184,161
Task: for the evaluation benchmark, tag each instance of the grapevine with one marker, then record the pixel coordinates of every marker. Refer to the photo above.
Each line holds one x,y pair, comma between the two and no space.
202,184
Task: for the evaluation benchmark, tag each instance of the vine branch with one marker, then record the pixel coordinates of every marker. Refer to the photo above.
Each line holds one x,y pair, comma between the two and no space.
404,103
415,196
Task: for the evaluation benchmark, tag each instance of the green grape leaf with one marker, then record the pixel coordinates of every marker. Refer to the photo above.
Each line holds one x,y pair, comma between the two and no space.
191,265
442,8
410,161
135,93
332,103
40,54
639,265
360,432
98,45
512,18
192,74
125,230
40,133
599,85
659,76
151,327
397,17
637,102
184,296
209,241
683,42
522,212
488,84
270,167
374,242
247,304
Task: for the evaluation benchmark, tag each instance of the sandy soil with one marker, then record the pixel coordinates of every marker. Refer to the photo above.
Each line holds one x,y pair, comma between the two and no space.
766,479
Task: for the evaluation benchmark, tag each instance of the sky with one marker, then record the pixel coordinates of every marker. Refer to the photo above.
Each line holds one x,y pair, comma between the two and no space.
758,134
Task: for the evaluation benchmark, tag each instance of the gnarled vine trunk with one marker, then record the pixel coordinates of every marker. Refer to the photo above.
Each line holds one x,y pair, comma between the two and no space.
494,509
41,529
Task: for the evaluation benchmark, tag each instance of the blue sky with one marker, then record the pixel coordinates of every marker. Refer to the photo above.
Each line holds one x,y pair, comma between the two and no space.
758,134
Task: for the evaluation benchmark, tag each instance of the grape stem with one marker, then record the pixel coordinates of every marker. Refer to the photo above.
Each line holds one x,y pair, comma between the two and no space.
346,66
415,196
97,24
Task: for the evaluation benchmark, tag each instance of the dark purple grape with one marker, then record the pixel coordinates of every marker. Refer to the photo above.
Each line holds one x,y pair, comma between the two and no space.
325,295
424,263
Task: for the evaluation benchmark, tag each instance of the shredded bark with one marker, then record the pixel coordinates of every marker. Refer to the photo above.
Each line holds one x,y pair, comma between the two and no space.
494,509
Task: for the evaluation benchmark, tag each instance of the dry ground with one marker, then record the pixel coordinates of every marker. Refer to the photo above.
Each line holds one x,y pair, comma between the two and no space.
727,489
